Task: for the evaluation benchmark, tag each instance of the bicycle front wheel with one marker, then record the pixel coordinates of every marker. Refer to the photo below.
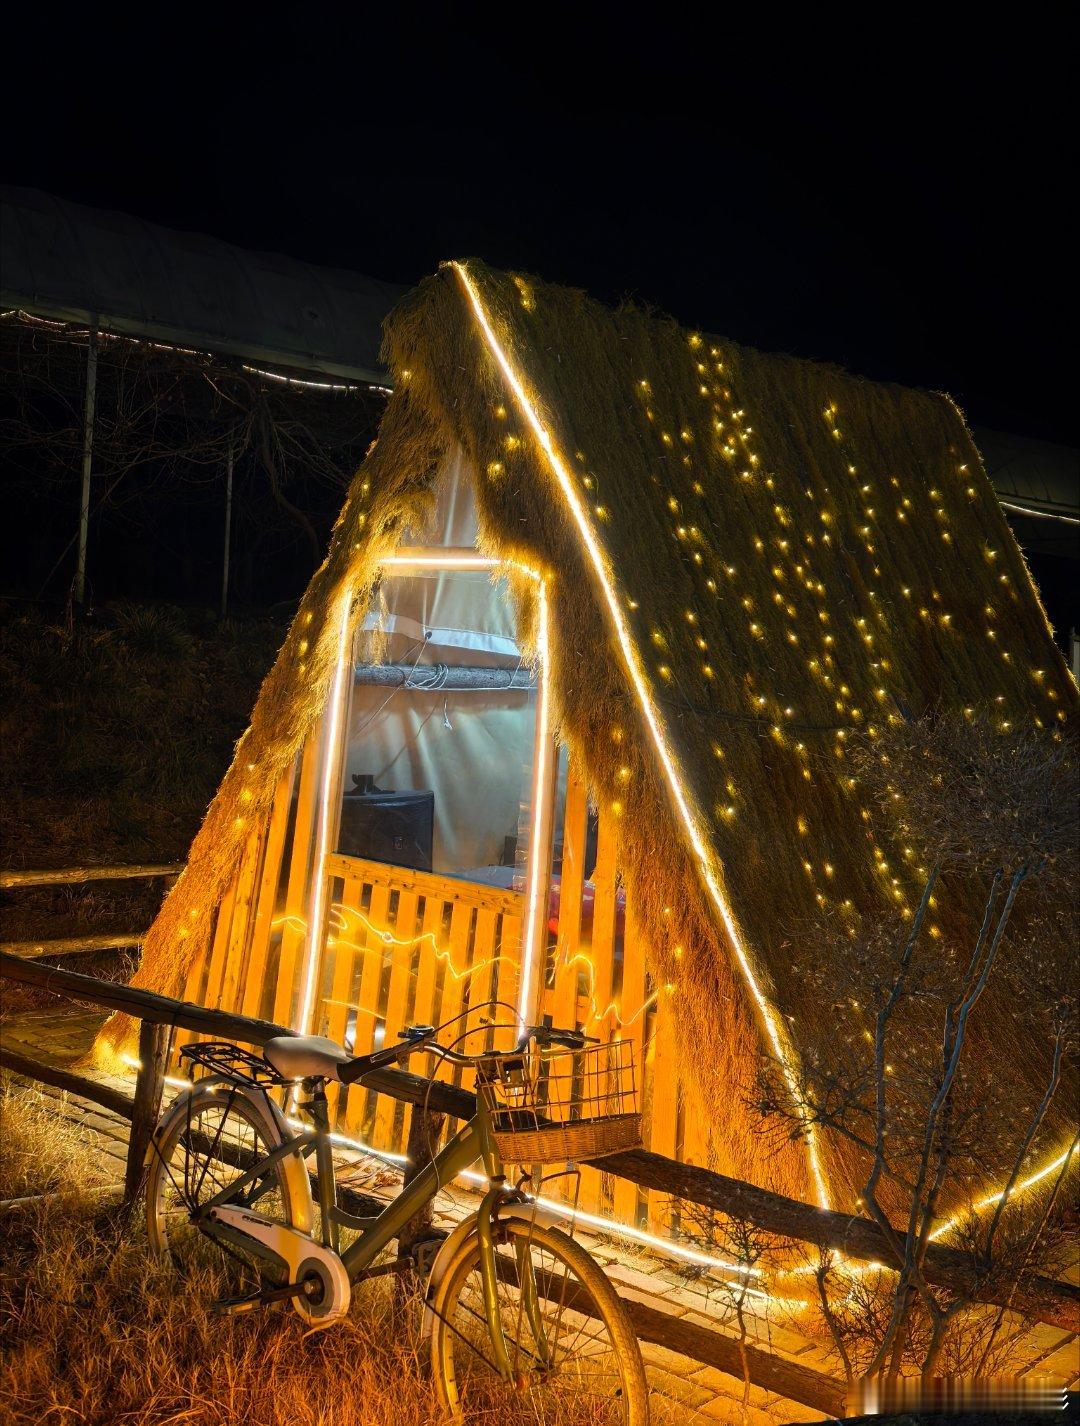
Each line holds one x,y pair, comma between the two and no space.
572,1350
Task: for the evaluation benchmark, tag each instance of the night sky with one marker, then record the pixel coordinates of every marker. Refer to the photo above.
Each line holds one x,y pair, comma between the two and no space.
884,193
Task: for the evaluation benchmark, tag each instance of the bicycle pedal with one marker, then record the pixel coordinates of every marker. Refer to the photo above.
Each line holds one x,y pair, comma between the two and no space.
424,1252
233,1306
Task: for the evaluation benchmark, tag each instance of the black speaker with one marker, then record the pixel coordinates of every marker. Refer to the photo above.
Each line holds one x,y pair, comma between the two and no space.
393,827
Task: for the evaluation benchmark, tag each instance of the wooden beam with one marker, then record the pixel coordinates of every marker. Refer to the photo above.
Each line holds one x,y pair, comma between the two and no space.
1045,1299
441,678
716,1349
72,945
142,1004
92,1089
788,1379
68,875
425,883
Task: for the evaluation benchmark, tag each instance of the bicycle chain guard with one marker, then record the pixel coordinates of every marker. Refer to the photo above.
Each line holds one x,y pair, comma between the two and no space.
326,1300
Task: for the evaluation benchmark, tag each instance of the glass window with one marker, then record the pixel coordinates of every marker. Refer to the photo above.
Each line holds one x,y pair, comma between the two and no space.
439,733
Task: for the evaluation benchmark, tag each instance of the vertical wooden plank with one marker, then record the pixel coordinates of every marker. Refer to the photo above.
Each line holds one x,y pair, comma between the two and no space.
424,1008
243,902
342,953
508,980
294,933
567,967
396,1000
477,989
220,950
153,1054
370,935
255,973
457,966
593,1008
664,1118
194,986
375,950
695,1139
604,927
630,1026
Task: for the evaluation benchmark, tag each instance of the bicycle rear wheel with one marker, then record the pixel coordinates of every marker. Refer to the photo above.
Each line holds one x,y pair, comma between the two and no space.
571,1346
204,1143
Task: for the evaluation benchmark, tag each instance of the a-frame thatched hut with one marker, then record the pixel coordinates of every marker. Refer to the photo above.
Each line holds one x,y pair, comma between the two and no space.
722,562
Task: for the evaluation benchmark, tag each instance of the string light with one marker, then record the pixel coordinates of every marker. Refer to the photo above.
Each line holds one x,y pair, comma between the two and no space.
1021,1187
645,701
103,334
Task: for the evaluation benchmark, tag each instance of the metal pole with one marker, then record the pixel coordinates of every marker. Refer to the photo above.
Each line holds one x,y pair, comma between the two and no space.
87,465
228,529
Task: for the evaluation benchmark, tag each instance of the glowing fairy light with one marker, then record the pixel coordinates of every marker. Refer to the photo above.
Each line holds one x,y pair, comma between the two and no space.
641,688
330,759
171,1079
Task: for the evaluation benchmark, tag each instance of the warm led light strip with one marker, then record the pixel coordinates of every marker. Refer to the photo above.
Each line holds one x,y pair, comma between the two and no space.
593,1220
452,559
331,752
1027,1183
644,695
540,837
541,799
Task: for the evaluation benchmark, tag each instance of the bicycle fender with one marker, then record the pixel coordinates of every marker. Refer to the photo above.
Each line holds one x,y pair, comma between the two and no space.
274,1119
526,1212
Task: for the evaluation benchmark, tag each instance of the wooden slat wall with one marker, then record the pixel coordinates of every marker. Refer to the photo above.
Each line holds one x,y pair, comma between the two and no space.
428,945
411,947
232,975
296,897
256,969
600,984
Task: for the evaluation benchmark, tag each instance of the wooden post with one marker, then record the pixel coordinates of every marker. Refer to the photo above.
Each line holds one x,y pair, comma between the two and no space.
153,1057
87,466
424,1130
228,529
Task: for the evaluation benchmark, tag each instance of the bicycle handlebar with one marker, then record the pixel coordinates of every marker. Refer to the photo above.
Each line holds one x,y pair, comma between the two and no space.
417,1038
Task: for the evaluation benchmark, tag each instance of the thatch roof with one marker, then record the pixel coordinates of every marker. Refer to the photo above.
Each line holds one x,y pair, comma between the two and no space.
793,553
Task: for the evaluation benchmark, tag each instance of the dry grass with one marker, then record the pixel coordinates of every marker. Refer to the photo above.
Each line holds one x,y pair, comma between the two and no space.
95,1331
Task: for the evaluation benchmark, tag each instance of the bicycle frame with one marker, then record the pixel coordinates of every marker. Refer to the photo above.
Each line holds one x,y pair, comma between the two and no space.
472,1143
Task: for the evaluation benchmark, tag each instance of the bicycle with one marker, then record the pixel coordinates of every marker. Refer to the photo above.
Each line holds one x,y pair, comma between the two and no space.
516,1314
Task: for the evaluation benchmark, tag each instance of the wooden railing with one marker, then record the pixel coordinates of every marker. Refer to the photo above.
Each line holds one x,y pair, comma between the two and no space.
75,876
409,947
1048,1300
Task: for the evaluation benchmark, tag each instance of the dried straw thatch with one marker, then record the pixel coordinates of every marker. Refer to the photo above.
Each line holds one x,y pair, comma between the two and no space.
796,552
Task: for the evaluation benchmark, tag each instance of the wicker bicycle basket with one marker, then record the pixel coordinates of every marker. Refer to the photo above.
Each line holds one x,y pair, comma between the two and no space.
559,1106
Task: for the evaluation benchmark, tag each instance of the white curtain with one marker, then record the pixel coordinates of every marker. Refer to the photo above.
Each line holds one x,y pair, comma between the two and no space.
473,750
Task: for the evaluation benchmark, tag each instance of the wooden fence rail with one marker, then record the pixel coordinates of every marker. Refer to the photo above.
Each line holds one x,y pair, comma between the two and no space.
73,945
72,876
1048,1300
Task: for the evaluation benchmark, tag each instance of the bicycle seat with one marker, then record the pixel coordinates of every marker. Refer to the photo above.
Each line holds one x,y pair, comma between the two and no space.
305,1056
